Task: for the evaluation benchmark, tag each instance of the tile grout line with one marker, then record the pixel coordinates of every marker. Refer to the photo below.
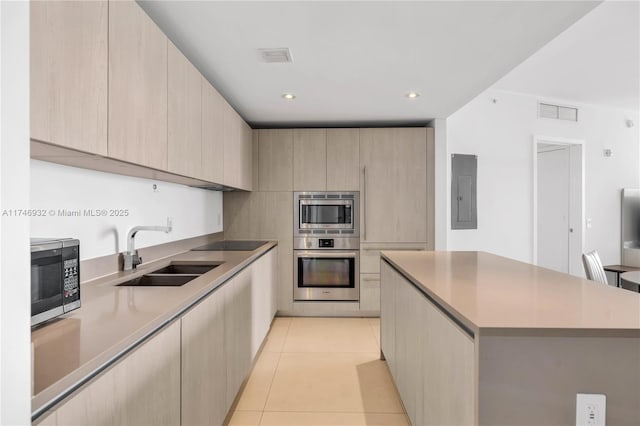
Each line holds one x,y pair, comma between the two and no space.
275,371
273,377
281,351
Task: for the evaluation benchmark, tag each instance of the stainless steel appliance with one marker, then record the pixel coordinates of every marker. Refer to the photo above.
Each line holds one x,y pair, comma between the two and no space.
326,264
326,213
55,277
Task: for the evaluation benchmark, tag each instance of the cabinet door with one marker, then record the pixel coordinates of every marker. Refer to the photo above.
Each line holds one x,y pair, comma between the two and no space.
394,185
204,372
275,160
69,74
370,293
309,159
237,150
49,419
408,372
185,116
448,368
246,156
141,389
388,315
262,299
212,133
237,332
343,159
137,87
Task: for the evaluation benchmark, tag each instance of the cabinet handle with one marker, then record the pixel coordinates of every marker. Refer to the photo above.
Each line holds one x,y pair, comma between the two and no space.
364,204
370,279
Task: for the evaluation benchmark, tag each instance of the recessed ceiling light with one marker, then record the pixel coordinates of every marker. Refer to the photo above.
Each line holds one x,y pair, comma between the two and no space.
289,96
412,95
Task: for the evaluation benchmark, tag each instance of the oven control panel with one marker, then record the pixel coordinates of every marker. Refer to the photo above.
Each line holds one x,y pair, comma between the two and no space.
315,243
325,242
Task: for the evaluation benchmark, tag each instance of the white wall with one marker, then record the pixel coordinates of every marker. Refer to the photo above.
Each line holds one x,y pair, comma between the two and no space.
15,305
442,170
501,135
194,211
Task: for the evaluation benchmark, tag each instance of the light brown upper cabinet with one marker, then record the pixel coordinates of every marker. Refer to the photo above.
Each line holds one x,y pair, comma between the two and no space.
246,156
185,115
393,187
69,74
326,159
275,159
238,156
137,87
212,133
343,159
309,159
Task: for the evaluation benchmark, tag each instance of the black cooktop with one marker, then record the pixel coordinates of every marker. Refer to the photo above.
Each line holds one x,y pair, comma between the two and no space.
231,246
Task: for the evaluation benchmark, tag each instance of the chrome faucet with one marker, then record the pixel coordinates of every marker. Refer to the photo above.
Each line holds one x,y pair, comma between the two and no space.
131,258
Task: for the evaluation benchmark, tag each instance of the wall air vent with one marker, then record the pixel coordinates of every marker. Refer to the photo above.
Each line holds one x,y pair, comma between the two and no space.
275,56
557,112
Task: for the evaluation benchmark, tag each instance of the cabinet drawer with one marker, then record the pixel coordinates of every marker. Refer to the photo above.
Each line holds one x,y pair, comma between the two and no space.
370,292
370,254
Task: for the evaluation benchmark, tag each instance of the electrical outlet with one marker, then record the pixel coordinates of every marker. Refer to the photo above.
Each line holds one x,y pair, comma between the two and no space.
590,409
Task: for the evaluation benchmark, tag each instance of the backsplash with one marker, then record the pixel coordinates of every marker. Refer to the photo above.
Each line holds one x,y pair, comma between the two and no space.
99,208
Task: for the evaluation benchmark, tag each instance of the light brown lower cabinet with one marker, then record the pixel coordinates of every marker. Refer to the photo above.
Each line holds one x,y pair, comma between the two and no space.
237,332
190,372
370,293
431,359
141,389
263,297
204,372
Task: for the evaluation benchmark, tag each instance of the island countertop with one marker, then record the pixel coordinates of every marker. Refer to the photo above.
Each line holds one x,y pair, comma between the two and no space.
485,291
114,318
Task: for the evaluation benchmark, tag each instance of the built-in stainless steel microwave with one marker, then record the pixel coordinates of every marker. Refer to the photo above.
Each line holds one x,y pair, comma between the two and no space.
55,277
322,213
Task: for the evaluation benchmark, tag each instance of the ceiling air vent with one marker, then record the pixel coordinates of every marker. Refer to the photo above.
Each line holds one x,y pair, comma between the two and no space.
275,56
557,112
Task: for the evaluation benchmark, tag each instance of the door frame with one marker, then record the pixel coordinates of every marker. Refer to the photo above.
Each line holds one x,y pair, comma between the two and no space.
537,139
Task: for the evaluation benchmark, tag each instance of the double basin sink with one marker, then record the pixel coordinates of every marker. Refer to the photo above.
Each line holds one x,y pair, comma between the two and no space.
179,273
175,274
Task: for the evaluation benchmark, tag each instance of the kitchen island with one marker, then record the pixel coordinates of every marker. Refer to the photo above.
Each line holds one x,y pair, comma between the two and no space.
474,338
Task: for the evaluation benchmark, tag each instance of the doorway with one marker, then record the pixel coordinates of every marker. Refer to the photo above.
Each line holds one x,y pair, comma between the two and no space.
558,205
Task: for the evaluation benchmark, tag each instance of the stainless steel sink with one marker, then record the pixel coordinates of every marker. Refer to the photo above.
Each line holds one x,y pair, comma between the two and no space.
177,268
174,274
165,280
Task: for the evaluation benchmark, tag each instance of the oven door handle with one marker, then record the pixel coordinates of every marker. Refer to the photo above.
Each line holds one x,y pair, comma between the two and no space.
327,254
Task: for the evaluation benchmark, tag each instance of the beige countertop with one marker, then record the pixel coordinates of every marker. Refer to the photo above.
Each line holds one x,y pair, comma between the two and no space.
485,291
112,319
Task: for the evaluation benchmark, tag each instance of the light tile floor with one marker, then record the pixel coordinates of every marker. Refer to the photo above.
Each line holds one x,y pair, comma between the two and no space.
320,372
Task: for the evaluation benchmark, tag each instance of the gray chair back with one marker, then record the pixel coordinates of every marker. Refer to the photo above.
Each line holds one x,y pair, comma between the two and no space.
593,267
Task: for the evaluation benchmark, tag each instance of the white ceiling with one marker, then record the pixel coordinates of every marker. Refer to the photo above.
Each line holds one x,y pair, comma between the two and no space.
353,62
596,61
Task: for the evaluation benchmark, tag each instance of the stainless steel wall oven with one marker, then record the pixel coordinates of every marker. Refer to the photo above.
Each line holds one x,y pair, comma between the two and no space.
326,246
